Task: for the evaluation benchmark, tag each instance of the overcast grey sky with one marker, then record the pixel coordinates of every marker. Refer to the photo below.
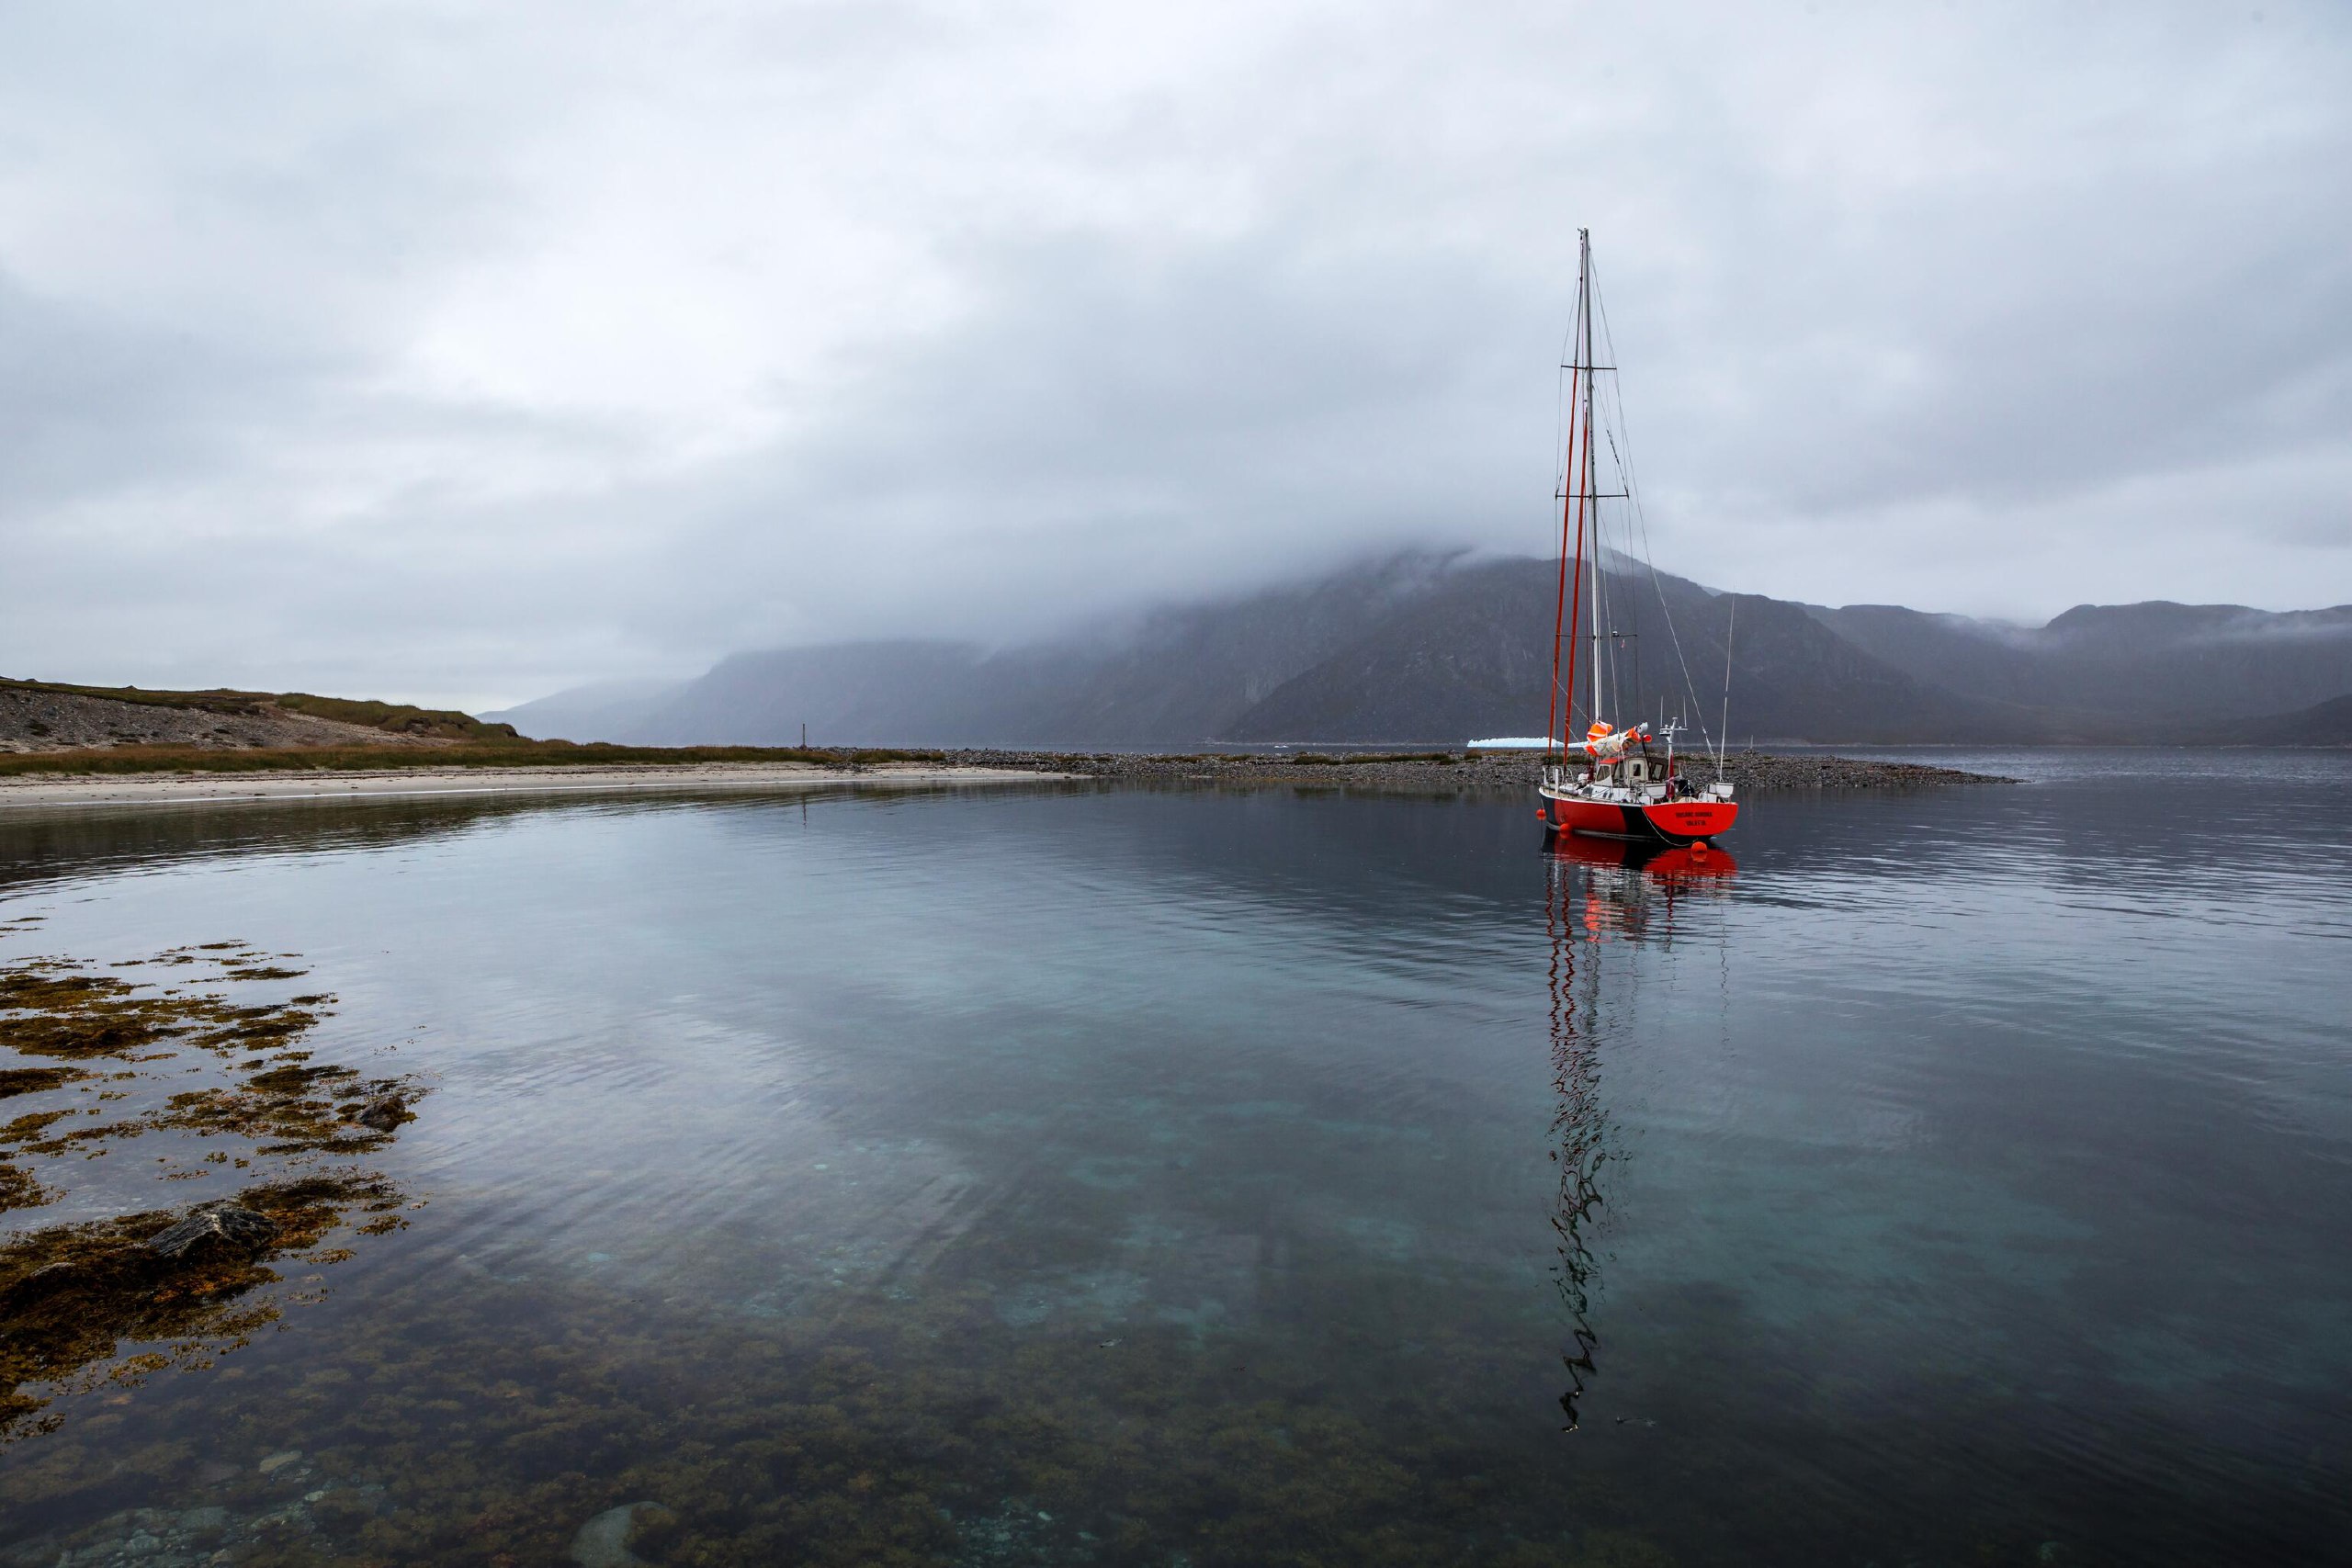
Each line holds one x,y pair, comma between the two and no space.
458,353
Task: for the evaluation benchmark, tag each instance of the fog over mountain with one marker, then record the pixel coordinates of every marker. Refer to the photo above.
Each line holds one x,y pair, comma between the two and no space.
1434,649
454,354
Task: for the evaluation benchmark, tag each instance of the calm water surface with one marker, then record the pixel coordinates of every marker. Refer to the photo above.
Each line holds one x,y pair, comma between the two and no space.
1152,1177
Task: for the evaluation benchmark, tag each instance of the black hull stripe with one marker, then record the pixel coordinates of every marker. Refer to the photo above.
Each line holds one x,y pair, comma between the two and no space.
1634,826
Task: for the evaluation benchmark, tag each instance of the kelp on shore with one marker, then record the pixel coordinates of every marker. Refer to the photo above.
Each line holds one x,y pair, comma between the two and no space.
72,1296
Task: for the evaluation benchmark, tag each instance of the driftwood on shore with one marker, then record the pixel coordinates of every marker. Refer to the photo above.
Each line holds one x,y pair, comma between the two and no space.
1750,772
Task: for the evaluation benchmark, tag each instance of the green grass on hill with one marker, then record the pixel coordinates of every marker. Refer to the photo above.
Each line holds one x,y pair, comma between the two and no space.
402,718
503,753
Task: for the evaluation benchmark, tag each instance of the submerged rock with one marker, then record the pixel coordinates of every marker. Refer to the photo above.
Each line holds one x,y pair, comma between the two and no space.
384,1112
216,1224
604,1540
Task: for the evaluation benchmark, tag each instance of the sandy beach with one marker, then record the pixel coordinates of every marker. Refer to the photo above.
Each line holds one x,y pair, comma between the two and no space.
133,788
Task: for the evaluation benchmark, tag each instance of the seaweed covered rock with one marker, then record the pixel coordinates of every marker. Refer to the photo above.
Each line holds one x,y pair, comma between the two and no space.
221,1227
72,1296
19,1189
384,1112
166,1287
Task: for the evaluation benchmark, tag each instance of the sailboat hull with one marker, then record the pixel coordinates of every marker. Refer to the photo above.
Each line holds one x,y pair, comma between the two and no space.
1664,821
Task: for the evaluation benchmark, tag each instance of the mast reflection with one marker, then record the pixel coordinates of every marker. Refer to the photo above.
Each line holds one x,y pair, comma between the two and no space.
1597,890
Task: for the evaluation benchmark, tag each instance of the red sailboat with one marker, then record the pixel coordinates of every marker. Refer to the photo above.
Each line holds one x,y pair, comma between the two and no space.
1613,782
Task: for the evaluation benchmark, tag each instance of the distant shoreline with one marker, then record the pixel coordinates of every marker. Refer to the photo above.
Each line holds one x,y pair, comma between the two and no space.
1418,774
316,784
1452,772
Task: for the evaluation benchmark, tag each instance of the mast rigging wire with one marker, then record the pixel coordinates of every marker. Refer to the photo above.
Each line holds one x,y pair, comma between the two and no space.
1633,488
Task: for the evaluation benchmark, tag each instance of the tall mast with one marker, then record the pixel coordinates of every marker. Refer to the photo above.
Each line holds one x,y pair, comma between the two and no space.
1579,416
1591,471
1554,722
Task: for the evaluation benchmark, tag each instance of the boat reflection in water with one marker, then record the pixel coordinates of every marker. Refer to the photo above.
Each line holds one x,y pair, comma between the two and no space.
1599,890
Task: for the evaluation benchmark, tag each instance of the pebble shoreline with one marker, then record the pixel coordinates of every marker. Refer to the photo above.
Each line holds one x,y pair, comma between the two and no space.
1750,772
1438,772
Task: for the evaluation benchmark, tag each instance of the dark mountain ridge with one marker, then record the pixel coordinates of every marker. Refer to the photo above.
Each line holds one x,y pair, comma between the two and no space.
1472,656
1436,649
1179,672
2121,663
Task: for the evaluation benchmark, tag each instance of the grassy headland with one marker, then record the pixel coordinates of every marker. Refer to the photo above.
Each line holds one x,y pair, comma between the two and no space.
53,728
392,718
511,753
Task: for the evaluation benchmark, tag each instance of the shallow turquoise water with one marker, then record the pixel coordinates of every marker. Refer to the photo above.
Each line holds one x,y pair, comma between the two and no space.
1069,1176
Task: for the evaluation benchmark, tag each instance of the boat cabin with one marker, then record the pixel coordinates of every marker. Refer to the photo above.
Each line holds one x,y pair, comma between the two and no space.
1635,778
